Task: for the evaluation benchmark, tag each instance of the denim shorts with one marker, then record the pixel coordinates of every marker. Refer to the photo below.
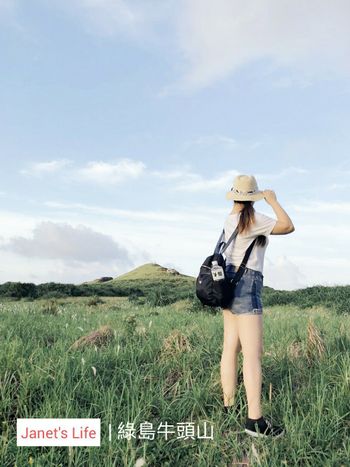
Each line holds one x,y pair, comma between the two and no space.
247,299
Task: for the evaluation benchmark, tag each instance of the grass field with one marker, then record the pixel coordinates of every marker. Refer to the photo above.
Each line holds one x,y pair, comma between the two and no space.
162,364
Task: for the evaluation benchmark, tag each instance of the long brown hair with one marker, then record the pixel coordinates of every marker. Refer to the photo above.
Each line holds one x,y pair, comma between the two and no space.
246,218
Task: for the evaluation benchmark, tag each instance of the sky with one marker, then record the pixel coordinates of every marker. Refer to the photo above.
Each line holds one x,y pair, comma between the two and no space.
124,123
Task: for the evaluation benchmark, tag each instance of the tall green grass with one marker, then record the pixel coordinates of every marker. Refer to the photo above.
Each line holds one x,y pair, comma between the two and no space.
163,364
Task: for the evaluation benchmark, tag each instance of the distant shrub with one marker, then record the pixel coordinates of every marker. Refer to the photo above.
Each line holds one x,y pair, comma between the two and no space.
18,290
135,295
50,307
195,305
130,324
94,301
54,294
153,313
160,296
343,306
105,279
54,289
276,297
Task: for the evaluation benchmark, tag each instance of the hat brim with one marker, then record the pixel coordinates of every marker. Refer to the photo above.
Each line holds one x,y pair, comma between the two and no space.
236,197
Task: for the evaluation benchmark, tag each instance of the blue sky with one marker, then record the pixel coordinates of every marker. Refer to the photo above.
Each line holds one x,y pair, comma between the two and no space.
124,123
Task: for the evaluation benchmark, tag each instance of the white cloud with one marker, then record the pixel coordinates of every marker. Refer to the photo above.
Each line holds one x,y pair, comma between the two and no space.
192,182
105,172
94,171
338,186
283,274
199,183
38,270
323,262
184,179
173,216
190,231
183,172
216,139
47,167
218,38
327,271
340,207
109,16
136,20
306,39
13,222
283,173
173,174
51,240
289,81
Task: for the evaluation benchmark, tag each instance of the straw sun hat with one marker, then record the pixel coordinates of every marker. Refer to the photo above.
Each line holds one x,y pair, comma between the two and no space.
245,188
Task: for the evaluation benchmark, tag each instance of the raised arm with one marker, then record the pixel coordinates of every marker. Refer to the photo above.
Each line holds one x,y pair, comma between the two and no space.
284,224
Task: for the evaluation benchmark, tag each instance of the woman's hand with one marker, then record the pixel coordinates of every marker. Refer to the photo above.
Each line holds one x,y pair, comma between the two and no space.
269,196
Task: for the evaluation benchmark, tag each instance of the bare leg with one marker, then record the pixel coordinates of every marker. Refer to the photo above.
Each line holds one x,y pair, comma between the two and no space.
251,337
231,348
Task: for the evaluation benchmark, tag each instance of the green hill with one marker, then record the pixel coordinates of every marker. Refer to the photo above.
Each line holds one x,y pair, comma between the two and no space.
153,272
147,273
150,279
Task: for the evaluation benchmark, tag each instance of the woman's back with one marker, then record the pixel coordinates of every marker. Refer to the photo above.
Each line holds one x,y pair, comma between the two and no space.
263,225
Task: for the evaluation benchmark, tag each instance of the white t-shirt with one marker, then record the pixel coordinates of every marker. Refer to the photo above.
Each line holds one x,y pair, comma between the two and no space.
235,251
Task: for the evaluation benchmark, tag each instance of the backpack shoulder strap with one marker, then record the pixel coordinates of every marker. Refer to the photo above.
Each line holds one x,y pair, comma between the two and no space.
222,242
241,268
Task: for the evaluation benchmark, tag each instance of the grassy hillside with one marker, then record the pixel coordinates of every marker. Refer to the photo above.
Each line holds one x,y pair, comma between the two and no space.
156,283
148,273
153,272
159,286
163,364
150,278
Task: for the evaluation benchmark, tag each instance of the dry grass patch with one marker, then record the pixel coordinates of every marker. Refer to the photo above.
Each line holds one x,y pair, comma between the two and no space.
141,330
172,382
181,305
100,337
50,307
175,343
295,350
315,344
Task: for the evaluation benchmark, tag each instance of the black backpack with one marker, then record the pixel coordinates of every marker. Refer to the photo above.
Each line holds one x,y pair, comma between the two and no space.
213,287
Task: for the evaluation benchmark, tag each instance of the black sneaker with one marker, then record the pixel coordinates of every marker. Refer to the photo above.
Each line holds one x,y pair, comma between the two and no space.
262,428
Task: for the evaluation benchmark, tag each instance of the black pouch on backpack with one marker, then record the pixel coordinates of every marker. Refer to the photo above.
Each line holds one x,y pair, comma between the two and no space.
213,287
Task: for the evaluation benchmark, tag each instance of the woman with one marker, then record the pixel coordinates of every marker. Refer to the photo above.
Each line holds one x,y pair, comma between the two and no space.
243,330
